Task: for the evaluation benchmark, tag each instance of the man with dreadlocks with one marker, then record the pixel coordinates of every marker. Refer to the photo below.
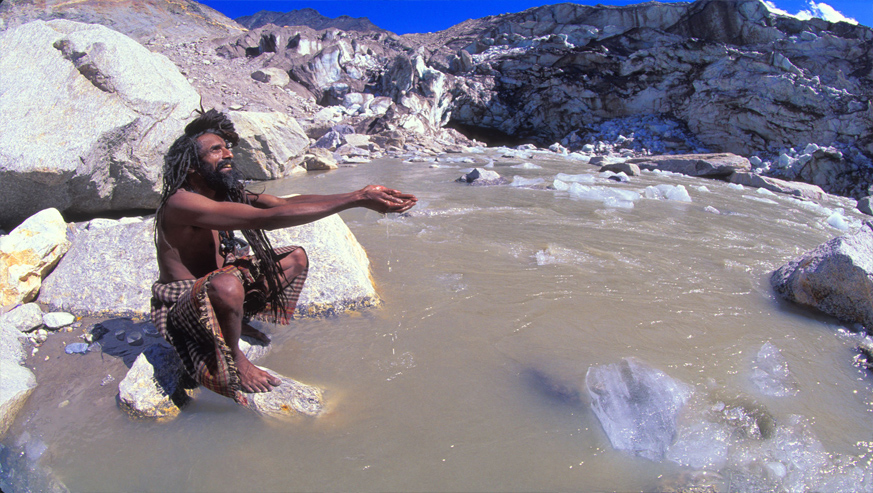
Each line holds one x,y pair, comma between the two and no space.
207,286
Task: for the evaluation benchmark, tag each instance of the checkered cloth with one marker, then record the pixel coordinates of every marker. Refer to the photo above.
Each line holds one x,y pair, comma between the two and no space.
183,314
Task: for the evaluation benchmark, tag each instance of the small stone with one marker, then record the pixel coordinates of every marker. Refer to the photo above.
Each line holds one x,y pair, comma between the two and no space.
76,348
134,338
56,320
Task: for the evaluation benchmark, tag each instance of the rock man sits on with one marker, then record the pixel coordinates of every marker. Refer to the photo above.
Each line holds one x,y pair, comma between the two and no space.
208,286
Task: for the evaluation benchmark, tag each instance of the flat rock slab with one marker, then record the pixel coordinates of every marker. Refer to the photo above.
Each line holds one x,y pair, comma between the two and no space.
290,399
795,188
702,165
835,277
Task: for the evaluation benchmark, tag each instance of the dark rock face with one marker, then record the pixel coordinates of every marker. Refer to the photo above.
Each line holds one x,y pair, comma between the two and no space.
310,18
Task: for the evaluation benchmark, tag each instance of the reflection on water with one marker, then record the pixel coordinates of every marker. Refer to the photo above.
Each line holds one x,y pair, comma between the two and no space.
498,300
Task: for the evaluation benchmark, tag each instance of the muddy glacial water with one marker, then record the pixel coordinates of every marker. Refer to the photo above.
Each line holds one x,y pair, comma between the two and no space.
471,376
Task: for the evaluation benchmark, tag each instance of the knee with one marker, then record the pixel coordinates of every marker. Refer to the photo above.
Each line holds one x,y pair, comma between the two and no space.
225,290
300,258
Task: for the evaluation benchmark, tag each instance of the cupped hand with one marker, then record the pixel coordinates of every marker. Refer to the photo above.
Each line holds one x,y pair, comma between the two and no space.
384,200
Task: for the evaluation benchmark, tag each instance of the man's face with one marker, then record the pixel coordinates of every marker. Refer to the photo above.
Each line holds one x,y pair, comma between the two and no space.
216,163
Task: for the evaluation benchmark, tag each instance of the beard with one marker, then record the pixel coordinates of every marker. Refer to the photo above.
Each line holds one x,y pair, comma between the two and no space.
222,181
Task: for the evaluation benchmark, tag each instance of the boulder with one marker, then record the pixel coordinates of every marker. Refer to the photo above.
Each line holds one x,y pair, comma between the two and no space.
317,159
701,165
125,260
16,386
630,169
11,340
482,177
331,140
156,386
107,271
835,277
16,381
273,76
115,109
25,318
268,144
865,205
28,253
339,270
795,188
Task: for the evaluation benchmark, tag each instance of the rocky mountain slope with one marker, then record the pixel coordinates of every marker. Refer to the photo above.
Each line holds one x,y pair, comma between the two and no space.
732,74
716,75
310,18
178,20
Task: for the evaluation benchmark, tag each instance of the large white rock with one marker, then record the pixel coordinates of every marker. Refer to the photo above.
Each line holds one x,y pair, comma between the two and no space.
269,143
28,253
87,115
25,318
16,385
110,270
155,385
16,381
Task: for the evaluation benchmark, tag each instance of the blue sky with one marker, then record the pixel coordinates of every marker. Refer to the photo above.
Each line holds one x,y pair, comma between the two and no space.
405,16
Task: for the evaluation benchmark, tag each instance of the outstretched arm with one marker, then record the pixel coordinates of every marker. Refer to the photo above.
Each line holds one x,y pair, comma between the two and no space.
191,209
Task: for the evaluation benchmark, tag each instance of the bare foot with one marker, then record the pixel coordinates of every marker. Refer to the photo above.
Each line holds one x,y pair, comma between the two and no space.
252,378
249,331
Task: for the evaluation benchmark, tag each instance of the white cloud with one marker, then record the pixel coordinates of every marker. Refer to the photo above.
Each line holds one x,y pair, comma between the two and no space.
776,10
816,9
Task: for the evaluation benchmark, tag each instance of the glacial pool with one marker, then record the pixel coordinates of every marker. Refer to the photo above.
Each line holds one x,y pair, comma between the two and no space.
497,301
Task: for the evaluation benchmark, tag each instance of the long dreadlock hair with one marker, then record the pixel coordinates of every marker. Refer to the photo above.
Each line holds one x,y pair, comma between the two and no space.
184,154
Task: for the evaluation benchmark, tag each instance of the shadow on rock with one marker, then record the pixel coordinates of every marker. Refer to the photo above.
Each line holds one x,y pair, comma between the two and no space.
125,339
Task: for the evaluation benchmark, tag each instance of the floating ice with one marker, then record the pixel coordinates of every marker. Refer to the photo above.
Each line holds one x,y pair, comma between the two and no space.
837,221
761,200
770,373
526,166
610,197
620,176
667,192
735,186
764,191
637,406
582,178
711,210
702,188
701,445
518,181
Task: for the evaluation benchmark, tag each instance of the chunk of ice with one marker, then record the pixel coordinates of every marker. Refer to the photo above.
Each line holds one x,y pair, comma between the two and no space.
637,406
518,181
770,372
610,197
836,220
581,178
667,192
526,166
